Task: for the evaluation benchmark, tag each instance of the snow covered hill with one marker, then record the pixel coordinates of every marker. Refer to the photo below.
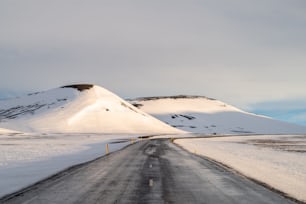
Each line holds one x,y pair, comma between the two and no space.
205,115
77,108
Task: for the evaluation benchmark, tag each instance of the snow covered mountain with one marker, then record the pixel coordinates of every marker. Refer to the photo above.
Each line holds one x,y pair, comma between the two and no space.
77,108
205,115
89,108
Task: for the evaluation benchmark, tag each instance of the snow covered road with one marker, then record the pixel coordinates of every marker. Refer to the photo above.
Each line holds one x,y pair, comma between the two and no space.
151,171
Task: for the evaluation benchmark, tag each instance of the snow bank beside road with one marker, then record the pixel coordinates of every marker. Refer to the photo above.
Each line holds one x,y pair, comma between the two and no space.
279,161
26,159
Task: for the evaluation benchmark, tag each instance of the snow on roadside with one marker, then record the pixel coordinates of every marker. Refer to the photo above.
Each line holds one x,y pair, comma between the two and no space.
28,158
279,161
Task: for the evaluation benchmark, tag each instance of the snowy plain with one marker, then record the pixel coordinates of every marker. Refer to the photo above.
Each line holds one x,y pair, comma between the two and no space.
276,160
28,158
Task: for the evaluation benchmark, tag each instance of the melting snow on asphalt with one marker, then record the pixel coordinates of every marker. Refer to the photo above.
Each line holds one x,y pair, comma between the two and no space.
29,158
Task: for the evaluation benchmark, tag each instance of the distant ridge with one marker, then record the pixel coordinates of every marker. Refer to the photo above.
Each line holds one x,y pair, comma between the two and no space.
171,97
200,114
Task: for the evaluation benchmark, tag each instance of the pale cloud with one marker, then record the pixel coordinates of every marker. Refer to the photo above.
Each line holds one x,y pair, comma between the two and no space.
240,51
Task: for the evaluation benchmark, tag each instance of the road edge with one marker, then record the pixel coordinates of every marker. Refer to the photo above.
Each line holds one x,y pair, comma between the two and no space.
230,169
58,174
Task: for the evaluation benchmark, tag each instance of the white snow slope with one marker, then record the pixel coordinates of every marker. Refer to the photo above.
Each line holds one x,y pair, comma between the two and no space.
204,115
78,108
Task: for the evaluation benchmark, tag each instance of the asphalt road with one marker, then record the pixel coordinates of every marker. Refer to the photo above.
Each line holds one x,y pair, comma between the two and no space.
152,171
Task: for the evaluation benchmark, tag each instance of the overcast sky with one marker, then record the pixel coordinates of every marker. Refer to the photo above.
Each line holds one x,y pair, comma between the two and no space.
243,52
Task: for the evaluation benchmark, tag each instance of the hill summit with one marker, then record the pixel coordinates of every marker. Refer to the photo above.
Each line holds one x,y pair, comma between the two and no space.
77,108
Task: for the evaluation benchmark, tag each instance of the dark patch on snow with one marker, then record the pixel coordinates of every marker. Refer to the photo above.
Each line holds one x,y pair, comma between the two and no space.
79,87
178,126
189,117
241,131
172,97
182,126
298,146
17,111
30,94
174,116
127,106
131,108
137,105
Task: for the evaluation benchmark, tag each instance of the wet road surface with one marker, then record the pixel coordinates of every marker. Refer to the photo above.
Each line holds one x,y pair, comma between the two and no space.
151,171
